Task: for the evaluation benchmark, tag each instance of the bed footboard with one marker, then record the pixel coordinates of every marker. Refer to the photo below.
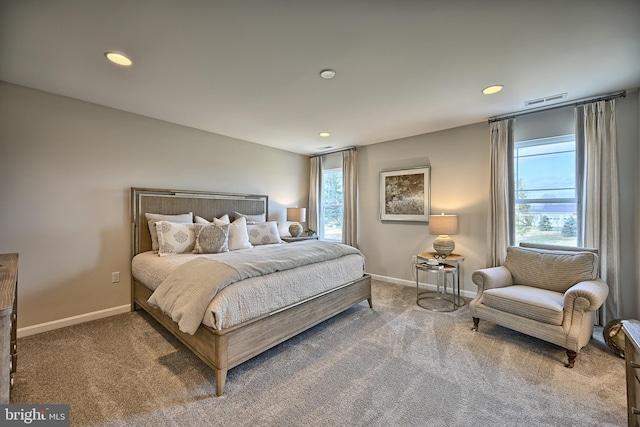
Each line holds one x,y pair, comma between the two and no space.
227,348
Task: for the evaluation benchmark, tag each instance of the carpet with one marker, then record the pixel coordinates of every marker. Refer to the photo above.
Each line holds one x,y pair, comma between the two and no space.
394,365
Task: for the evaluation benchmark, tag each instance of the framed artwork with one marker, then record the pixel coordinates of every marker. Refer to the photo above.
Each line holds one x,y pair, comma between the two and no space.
405,194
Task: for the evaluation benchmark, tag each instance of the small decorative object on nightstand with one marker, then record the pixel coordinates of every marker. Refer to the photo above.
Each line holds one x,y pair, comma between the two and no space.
297,215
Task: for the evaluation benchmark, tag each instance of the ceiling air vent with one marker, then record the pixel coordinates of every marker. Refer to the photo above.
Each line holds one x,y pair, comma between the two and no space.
545,99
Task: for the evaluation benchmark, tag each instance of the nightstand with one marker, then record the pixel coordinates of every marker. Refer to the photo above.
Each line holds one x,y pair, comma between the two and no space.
290,239
448,266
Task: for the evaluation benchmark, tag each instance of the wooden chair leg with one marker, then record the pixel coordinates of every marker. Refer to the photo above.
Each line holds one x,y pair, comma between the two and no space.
571,356
476,320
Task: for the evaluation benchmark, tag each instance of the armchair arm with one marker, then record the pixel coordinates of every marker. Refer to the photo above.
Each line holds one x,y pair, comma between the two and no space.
493,277
585,296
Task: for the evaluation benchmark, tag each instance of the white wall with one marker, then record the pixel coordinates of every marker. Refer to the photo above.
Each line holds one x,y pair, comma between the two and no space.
459,185
66,167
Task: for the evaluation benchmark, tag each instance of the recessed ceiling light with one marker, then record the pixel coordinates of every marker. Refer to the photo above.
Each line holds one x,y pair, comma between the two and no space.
118,58
327,74
325,134
492,89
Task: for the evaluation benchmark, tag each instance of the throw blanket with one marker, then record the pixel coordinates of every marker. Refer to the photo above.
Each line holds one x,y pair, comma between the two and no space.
185,294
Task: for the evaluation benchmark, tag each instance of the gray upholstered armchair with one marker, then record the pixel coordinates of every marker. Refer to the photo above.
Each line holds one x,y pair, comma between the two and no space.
549,292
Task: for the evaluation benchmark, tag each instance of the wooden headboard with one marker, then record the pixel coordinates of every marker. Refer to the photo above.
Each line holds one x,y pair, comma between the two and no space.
201,203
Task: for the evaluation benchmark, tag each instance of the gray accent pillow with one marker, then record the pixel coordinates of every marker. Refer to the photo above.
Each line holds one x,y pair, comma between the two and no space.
211,239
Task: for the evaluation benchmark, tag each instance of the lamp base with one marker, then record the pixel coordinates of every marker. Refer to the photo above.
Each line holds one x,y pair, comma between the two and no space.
444,245
295,229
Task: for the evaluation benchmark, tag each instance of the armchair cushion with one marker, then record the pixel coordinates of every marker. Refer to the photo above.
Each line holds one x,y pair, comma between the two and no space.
537,304
552,270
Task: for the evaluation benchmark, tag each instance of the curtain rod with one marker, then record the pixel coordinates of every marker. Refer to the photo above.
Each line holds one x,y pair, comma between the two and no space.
583,101
337,150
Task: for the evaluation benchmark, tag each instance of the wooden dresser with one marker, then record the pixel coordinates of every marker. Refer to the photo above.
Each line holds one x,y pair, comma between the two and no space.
8,322
632,362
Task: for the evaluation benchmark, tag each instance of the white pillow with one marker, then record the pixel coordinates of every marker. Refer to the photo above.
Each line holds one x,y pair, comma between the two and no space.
211,239
238,236
200,220
153,218
264,233
252,219
175,238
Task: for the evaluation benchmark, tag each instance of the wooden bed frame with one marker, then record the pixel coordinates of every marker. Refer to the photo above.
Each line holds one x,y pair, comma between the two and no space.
227,348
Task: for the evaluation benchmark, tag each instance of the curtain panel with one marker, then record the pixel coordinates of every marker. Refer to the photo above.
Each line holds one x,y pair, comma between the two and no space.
501,212
315,171
600,213
350,194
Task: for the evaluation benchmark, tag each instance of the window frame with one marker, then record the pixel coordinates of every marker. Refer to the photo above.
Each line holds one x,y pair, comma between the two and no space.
516,200
323,206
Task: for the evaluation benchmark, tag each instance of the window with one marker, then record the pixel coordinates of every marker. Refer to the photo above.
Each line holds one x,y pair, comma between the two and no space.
331,205
545,195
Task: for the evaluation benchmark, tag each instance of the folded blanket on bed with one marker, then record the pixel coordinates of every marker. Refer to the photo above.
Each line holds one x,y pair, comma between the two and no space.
185,294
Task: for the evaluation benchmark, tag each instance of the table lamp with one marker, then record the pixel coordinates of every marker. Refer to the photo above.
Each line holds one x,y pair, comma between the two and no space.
297,215
443,225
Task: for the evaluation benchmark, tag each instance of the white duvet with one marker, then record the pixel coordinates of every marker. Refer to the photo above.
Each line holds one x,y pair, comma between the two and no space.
256,296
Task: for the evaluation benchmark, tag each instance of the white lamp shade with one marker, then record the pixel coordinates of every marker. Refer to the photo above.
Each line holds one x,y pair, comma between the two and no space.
296,214
443,225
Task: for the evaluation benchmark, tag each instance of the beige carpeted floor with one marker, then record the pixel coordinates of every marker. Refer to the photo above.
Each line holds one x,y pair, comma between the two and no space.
395,365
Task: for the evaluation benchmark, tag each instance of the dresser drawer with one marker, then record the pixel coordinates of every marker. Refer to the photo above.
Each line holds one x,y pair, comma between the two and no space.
632,363
8,323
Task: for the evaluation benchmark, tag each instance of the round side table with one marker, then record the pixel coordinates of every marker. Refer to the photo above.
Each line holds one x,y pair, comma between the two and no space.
448,268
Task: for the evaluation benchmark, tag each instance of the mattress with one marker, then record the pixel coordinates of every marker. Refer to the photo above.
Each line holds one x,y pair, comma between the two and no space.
256,296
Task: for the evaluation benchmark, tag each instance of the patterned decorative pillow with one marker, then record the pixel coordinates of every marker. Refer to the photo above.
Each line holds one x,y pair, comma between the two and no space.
238,237
211,239
264,233
153,218
199,220
175,238
252,219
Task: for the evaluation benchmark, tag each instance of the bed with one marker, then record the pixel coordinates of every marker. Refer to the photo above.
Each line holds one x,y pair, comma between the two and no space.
223,341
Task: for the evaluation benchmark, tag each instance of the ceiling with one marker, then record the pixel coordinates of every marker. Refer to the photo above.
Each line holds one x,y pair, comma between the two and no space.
249,69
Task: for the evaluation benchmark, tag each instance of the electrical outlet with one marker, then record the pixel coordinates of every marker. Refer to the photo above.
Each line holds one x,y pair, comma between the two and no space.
414,259
115,277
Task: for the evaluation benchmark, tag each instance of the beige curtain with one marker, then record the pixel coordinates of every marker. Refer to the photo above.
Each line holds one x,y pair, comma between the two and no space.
596,124
314,193
350,194
500,217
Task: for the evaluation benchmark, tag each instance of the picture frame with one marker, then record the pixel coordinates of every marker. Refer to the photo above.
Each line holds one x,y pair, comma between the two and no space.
405,194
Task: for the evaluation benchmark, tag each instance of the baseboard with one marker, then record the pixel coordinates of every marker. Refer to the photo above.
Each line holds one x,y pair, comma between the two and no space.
412,283
74,320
